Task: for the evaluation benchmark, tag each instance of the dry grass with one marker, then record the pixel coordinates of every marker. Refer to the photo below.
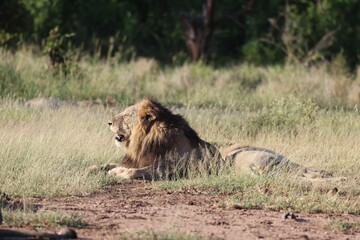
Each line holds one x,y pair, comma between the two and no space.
151,235
25,74
309,115
46,153
327,142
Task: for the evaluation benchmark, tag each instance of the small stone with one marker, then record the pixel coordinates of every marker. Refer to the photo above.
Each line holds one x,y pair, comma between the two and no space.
67,233
304,237
238,207
290,215
333,191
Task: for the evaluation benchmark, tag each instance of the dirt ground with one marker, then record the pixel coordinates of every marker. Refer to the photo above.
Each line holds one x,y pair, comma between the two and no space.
136,205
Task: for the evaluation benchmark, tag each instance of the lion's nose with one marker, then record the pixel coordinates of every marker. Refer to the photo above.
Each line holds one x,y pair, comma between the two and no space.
110,123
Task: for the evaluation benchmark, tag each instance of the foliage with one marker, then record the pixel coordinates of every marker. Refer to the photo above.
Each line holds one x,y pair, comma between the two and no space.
292,37
12,84
15,20
127,29
56,49
284,114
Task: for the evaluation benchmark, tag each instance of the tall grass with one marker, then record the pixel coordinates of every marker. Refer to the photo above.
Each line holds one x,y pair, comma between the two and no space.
319,139
46,152
305,114
151,235
26,74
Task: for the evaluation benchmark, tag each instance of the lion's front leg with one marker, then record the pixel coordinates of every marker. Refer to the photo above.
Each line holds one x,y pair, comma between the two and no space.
103,168
146,173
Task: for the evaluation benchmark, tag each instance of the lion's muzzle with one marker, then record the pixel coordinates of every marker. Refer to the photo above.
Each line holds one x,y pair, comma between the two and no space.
120,138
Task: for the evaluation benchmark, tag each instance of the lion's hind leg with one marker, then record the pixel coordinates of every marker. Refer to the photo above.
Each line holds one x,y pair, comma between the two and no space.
257,161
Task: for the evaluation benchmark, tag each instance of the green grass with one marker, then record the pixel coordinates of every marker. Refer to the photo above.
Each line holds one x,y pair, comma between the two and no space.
151,235
45,153
279,192
26,74
22,218
344,226
308,114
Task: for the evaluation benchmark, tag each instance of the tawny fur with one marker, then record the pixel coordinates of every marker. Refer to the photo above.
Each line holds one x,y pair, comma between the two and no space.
158,138
155,138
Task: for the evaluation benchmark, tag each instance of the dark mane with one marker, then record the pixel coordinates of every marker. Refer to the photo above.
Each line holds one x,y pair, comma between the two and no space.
171,120
156,134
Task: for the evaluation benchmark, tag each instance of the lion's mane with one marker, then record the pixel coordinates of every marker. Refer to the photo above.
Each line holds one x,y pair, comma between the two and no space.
156,134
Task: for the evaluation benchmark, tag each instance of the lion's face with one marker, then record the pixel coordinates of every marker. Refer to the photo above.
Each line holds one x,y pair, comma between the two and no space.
123,123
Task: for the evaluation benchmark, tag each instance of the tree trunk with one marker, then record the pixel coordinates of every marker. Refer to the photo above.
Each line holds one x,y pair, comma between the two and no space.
198,31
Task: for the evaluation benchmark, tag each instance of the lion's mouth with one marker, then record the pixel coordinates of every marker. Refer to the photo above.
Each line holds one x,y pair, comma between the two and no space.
120,138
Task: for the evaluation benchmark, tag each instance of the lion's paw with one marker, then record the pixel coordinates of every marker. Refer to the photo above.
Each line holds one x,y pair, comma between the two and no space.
121,172
102,168
94,169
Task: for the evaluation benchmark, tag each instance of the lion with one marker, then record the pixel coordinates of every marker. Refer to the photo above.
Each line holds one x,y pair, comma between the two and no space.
159,143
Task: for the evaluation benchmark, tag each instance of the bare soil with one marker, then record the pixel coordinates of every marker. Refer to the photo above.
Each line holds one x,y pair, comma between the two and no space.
137,205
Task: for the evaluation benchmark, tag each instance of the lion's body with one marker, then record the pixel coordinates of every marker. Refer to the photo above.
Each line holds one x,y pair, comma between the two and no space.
158,142
257,160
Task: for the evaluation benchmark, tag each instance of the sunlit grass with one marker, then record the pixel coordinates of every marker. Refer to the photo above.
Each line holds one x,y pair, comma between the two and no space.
45,153
327,142
306,114
154,235
344,226
26,74
20,218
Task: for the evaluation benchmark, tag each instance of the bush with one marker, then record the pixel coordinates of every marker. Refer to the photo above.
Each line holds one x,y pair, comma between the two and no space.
11,83
284,114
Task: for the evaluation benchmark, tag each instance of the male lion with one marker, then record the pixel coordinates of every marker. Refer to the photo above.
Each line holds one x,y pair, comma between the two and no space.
158,143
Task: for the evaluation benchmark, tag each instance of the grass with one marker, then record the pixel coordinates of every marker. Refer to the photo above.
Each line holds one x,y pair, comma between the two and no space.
344,226
309,115
45,153
25,74
20,218
151,235
321,139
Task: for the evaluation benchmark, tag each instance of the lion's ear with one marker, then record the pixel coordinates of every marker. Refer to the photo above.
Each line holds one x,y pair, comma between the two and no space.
146,120
147,113
148,117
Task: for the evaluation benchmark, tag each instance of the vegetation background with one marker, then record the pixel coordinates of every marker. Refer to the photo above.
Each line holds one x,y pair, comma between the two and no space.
145,28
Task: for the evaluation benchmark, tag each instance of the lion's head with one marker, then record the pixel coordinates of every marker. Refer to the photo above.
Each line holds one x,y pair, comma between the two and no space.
150,133
123,124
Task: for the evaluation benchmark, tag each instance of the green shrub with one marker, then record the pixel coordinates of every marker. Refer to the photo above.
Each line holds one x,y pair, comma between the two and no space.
12,84
283,114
